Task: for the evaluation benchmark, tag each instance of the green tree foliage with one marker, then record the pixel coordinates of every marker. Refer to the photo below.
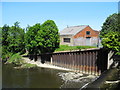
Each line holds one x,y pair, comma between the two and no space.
111,33
16,39
48,37
5,43
112,41
110,24
12,40
5,35
30,38
37,39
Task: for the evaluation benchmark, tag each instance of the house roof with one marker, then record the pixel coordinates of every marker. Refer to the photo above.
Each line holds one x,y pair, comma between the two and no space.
72,30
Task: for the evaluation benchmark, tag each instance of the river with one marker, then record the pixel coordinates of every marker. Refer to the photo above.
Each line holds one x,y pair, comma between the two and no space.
42,78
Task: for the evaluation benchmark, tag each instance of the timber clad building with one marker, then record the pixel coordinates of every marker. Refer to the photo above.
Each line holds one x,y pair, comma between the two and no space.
82,35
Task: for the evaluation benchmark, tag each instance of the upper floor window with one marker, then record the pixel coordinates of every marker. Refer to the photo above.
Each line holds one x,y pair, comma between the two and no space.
87,32
66,40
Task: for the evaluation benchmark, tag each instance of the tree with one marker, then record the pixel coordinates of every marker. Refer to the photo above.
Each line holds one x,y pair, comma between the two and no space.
16,39
110,24
5,43
5,35
111,41
111,33
30,39
48,37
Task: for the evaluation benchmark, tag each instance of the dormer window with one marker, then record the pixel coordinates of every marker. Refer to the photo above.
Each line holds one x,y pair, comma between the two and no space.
87,32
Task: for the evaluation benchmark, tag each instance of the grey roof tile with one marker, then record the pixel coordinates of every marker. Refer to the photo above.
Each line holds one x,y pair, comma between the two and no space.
72,30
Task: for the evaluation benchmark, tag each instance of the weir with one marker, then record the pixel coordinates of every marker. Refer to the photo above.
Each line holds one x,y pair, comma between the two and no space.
93,61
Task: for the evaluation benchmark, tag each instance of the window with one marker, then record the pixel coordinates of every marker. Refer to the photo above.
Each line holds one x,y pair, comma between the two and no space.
66,40
87,32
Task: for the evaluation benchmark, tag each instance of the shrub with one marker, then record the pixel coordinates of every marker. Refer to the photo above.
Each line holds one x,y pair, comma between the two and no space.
15,59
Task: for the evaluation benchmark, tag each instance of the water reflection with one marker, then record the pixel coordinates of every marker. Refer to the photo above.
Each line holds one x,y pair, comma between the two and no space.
29,78
42,78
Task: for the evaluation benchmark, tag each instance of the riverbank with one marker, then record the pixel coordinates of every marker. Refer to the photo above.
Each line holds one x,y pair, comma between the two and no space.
109,80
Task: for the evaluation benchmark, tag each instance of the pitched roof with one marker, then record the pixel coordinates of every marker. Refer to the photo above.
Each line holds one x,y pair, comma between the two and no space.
73,30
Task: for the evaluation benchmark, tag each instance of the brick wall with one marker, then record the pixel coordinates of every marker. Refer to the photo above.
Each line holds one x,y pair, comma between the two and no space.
83,33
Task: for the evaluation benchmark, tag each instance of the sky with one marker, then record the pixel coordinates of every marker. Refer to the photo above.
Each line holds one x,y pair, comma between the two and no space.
63,13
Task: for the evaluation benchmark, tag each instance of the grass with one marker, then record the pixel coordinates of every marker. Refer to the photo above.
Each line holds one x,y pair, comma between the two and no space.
17,60
66,47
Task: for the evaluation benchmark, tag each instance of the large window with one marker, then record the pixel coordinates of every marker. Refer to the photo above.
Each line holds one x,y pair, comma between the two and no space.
87,32
66,40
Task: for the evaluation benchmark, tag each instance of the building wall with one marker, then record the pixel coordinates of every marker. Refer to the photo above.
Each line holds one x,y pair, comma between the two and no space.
66,43
81,41
83,33
81,37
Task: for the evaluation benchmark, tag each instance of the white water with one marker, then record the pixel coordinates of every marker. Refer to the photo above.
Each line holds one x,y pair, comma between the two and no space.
75,80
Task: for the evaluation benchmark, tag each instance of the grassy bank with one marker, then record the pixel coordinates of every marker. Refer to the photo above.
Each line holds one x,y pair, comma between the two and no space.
17,60
66,48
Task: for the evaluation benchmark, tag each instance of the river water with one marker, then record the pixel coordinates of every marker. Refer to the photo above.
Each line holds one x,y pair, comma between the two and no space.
42,78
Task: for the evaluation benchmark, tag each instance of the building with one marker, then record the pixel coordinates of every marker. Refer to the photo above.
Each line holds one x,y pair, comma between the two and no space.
82,35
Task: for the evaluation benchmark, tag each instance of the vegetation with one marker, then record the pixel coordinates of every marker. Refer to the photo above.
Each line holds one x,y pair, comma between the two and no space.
110,25
12,40
34,39
111,33
111,41
15,59
42,38
30,39
48,37
66,47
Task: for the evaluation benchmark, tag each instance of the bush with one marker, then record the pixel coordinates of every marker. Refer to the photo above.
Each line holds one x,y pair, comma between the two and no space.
16,59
